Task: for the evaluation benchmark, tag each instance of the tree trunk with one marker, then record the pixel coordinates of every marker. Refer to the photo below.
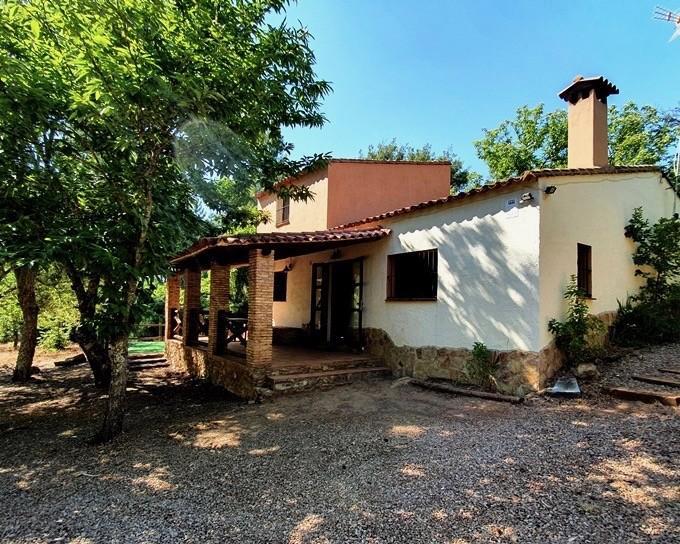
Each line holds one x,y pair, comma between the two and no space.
96,353
25,277
118,350
115,407
86,291
100,363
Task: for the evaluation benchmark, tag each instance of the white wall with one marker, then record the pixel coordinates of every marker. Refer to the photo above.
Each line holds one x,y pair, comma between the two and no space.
489,262
488,276
594,210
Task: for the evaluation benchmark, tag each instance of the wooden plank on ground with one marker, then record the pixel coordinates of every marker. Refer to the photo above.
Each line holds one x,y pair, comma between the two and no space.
670,370
667,399
446,388
658,380
72,361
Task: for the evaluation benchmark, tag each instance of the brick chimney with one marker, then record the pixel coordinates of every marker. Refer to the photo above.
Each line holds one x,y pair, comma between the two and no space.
588,141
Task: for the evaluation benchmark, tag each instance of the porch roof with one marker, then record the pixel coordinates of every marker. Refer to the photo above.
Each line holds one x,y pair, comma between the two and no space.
234,249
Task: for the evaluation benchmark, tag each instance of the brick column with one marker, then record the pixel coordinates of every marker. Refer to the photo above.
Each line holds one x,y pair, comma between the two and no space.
219,300
260,302
171,303
192,302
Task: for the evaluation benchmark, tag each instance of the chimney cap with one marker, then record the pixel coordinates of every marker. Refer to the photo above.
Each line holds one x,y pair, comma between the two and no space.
581,87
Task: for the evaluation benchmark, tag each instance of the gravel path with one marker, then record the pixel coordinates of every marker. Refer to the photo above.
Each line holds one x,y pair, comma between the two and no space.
646,361
366,463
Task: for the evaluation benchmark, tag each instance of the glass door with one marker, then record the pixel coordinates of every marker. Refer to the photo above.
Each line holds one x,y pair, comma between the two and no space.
319,319
357,303
337,304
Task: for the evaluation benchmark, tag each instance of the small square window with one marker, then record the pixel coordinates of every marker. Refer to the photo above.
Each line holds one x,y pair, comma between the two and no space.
282,210
412,276
280,286
584,267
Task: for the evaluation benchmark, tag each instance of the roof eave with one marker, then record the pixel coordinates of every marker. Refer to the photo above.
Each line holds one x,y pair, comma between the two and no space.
315,240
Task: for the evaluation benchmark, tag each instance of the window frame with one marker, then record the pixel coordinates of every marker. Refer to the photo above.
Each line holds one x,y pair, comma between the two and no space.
282,210
584,269
284,275
392,271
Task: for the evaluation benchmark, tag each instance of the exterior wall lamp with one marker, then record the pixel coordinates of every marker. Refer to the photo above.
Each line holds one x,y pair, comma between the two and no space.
550,189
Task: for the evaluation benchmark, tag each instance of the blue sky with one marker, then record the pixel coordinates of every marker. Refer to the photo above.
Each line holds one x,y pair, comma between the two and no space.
436,71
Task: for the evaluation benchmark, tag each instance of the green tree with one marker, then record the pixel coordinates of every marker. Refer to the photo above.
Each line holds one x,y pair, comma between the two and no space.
135,73
653,314
657,253
461,177
58,308
29,136
10,312
538,139
534,139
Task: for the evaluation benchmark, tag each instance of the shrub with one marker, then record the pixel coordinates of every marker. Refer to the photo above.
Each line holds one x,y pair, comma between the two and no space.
657,251
577,337
642,321
482,366
653,315
54,338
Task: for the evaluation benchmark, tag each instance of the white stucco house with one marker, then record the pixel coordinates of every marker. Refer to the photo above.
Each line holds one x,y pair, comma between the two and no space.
384,261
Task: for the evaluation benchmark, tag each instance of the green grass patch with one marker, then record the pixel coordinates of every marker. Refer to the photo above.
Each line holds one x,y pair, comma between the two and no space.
146,346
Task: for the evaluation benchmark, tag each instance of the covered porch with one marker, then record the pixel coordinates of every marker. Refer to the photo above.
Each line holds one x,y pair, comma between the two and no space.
239,351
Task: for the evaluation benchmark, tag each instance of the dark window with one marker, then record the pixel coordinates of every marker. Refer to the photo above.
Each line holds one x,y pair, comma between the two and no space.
280,286
585,269
283,210
412,276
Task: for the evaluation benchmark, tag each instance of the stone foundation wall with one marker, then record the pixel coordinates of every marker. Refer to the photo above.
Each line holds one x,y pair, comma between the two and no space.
229,372
519,371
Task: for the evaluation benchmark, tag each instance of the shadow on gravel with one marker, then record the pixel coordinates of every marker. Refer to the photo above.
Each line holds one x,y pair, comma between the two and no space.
356,464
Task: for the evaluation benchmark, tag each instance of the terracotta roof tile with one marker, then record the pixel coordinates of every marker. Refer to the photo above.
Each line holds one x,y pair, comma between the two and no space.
380,161
554,172
437,202
528,176
581,87
272,240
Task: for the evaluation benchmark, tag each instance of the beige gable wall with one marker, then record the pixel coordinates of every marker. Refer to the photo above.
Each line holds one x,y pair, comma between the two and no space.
349,190
360,189
593,210
304,216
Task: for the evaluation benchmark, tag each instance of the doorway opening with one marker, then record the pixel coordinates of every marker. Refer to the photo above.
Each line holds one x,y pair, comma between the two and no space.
337,304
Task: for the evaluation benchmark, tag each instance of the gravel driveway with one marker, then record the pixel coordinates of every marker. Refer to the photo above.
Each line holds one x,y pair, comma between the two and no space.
364,463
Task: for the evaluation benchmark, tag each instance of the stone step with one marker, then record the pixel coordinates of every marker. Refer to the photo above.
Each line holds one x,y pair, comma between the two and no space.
137,368
658,380
670,370
145,356
326,366
139,362
665,398
292,383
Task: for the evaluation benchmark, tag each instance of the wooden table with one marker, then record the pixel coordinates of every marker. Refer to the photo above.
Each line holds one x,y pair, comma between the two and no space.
237,327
